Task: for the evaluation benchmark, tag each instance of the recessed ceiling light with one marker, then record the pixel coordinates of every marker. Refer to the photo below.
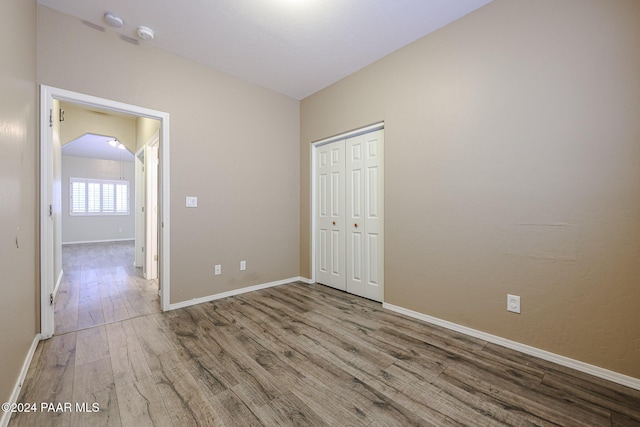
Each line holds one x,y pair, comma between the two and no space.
113,143
145,33
113,20
122,147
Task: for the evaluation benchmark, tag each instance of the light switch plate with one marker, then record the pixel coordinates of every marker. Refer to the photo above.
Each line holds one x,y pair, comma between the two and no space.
192,202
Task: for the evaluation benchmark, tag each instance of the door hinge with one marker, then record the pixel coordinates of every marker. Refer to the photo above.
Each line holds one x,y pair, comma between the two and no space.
61,118
50,117
50,210
50,299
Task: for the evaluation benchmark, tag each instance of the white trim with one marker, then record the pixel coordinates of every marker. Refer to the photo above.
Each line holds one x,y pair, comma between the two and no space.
98,241
46,228
313,212
47,95
305,280
4,421
596,371
154,140
164,204
349,134
57,286
235,292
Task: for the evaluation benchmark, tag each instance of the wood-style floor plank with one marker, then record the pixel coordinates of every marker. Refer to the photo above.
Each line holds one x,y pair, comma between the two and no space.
93,384
50,383
100,286
140,404
295,355
187,404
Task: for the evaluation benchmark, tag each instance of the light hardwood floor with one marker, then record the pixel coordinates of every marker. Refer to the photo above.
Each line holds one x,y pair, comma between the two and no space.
306,355
100,285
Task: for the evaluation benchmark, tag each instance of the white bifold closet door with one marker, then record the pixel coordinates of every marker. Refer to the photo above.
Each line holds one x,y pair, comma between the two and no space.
349,215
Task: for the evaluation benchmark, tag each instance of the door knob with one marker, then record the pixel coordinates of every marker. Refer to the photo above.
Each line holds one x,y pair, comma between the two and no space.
355,225
334,223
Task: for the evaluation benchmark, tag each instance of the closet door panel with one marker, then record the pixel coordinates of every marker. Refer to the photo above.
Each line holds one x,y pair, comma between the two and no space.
355,225
330,215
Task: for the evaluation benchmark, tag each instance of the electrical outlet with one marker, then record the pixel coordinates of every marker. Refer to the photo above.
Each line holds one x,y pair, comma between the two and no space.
243,265
513,303
218,270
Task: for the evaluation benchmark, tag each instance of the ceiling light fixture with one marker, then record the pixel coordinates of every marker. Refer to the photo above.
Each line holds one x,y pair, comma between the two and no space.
145,33
113,143
113,20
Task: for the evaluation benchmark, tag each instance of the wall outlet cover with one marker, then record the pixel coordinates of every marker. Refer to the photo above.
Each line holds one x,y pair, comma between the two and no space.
513,303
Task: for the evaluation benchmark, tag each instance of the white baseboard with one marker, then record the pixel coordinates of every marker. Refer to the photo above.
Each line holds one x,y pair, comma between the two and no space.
57,286
305,280
234,292
4,421
596,371
98,241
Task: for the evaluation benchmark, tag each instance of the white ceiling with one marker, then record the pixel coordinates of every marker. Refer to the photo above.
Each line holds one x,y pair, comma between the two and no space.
96,147
294,47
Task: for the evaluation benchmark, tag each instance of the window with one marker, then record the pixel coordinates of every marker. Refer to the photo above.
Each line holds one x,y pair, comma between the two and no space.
98,197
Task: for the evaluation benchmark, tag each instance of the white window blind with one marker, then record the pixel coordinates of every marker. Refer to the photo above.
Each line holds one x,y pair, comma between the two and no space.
98,197
78,199
108,198
93,197
122,197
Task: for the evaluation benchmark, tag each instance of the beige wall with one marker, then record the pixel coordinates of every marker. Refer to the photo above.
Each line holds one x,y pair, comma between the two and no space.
233,145
79,121
512,166
145,130
18,198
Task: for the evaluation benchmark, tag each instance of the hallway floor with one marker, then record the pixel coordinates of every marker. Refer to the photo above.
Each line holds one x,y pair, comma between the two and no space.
100,285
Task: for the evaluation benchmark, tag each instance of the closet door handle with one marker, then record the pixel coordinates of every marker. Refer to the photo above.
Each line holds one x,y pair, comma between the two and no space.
355,225
334,223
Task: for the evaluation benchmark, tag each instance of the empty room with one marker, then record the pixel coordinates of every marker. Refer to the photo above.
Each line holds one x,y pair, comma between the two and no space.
342,212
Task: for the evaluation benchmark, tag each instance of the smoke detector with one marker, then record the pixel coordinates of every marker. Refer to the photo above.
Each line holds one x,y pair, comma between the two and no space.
113,20
145,33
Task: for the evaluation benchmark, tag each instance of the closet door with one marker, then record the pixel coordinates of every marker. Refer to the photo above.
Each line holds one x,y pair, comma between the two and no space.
364,210
330,215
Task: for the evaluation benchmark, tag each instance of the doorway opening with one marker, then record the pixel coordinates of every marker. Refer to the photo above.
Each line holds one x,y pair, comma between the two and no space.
52,201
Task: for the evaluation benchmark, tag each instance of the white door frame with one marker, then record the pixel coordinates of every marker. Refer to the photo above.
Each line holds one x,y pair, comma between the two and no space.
151,209
47,95
139,219
314,146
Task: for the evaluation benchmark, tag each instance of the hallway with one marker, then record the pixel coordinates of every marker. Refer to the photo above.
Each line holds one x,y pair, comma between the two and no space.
100,285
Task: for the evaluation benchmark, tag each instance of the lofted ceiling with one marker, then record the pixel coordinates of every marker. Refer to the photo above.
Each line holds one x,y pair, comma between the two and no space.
95,146
294,47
